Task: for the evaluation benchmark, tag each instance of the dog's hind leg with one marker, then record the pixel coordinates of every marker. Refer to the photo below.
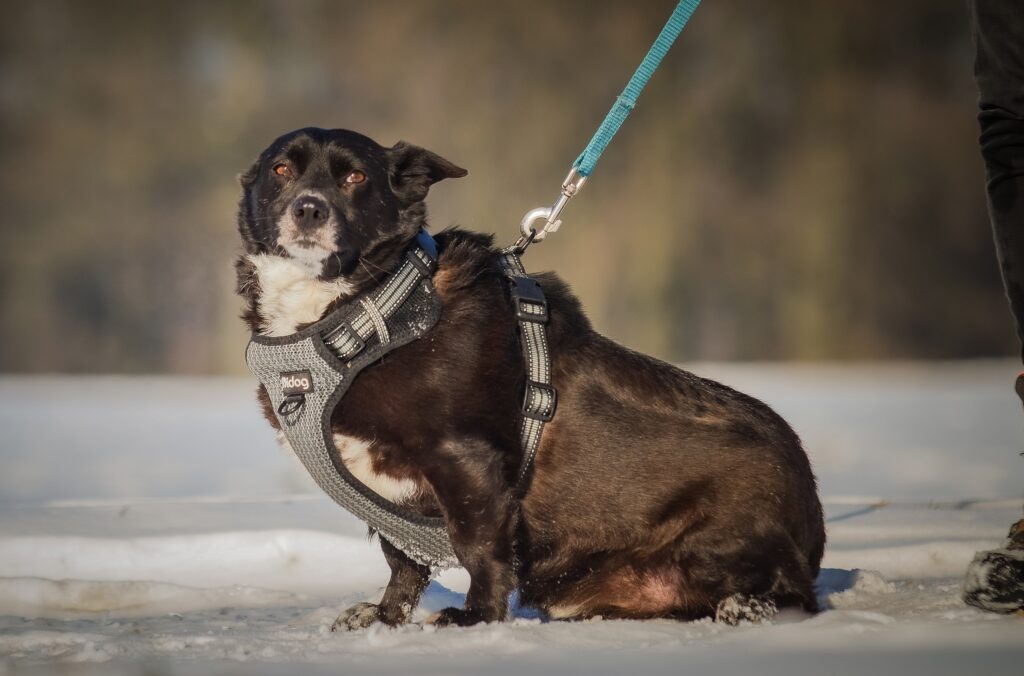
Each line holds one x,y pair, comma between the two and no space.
753,583
742,607
408,580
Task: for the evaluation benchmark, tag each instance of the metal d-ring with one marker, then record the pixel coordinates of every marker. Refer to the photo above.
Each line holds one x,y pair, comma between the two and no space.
570,186
534,215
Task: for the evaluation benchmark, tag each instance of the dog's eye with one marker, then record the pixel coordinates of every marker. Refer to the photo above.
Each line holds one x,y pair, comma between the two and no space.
355,176
283,170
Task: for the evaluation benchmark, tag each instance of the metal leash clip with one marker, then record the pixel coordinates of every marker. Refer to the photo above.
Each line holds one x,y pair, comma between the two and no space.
570,186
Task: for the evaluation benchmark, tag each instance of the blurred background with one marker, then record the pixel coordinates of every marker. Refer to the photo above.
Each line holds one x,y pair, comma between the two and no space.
796,207
800,181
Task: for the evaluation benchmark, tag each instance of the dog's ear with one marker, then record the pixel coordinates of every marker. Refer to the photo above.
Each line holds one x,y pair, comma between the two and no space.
413,170
248,177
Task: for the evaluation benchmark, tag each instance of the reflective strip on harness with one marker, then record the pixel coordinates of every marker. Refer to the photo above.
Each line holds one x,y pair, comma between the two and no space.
348,339
539,398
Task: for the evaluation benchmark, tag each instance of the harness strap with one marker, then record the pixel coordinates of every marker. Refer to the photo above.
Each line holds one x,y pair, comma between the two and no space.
350,337
379,325
539,397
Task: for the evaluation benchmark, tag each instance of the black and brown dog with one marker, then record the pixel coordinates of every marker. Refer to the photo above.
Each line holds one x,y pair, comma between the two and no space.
655,493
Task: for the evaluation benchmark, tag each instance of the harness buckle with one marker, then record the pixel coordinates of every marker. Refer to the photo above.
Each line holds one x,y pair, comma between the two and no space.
425,269
539,401
531,305
346,341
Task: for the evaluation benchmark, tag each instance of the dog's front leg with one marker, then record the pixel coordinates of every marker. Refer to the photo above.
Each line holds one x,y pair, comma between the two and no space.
482,518
408,580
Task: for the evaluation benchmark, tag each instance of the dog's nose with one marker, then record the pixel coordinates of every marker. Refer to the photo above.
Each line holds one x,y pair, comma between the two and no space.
309,212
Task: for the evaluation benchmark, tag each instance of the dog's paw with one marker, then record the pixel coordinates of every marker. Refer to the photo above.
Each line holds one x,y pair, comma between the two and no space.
359,616
454,617
742,608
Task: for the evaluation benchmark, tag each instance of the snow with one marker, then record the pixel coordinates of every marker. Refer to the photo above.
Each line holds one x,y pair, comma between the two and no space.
152,526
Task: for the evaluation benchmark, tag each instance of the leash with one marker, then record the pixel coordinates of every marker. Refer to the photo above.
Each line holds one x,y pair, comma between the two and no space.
539,396
624,104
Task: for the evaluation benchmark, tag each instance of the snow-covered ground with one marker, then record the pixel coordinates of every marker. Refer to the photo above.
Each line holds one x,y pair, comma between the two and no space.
152,526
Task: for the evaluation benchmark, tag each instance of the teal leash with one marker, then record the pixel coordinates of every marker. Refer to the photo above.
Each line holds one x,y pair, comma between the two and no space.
624,104
626,101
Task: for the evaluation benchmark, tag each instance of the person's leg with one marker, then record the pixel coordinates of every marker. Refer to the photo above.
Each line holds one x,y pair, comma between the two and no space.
995,579
998,27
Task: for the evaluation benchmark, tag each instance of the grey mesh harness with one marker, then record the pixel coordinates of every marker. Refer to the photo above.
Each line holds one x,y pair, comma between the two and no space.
306,374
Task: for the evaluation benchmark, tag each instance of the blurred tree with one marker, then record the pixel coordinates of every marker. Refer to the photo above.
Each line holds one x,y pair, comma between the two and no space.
798,182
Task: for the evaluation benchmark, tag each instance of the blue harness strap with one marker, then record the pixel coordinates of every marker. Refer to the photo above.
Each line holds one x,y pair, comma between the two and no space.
427,243
624,104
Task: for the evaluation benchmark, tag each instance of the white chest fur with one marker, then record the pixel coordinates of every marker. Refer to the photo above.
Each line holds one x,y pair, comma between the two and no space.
355,453
291,294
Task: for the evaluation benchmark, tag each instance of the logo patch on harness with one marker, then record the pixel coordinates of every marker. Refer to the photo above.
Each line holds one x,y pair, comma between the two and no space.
296,382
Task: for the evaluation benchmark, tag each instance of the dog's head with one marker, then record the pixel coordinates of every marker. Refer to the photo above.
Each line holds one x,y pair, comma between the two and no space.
330,197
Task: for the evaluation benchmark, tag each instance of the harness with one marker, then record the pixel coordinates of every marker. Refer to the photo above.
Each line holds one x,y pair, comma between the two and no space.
306,374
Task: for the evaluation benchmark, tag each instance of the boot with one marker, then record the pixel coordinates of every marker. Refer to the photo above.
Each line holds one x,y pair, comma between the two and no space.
995,578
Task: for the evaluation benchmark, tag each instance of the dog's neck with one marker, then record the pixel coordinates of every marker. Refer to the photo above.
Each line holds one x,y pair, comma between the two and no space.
285,294
290,295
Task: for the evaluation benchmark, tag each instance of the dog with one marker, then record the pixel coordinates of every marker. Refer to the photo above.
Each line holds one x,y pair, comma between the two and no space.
654,493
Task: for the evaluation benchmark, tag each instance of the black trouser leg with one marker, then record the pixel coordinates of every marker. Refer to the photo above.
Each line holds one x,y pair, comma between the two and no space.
998,27
995,579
